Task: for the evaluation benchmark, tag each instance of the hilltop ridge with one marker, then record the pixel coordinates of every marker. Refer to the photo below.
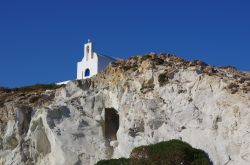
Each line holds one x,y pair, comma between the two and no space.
139,101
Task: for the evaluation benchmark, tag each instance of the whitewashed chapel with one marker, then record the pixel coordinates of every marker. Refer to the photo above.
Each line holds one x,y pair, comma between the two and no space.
92,63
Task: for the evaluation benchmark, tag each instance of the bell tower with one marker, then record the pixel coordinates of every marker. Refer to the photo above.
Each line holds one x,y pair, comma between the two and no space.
88,50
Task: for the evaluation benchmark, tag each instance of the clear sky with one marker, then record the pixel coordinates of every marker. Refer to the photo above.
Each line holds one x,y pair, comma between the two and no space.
41,41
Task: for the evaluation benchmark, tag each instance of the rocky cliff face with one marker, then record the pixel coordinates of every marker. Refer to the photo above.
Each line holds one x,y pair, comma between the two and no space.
140,101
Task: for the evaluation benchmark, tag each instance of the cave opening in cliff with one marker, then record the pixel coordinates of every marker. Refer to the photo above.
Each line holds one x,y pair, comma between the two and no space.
111,124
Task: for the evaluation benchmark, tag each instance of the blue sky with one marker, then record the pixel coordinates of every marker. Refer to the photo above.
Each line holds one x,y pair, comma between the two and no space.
41,41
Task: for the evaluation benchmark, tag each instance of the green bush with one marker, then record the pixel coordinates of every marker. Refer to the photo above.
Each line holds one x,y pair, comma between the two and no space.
173,152
4,89
130,67
31,88
37,87
170,152
201,161
121,161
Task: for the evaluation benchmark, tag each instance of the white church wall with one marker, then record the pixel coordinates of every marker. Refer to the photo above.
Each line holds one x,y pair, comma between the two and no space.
92,61
87,63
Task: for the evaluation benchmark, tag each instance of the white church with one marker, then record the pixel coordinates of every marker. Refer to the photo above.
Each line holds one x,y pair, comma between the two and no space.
92,63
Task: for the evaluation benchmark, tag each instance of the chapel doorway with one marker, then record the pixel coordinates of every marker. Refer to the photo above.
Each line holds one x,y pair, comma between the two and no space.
87,72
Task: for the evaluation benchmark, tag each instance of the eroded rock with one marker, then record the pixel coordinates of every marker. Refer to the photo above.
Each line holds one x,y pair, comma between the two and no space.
157,98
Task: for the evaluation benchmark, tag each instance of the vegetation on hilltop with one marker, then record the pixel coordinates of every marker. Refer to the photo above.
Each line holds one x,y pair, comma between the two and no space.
34,87
173,152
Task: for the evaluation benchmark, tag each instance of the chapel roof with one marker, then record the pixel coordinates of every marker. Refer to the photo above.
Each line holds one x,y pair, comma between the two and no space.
108,57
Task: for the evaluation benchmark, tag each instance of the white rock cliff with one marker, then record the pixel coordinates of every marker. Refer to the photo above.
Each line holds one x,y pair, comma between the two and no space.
143,100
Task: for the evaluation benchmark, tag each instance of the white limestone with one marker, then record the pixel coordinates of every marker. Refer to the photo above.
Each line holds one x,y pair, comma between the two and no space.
191,106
